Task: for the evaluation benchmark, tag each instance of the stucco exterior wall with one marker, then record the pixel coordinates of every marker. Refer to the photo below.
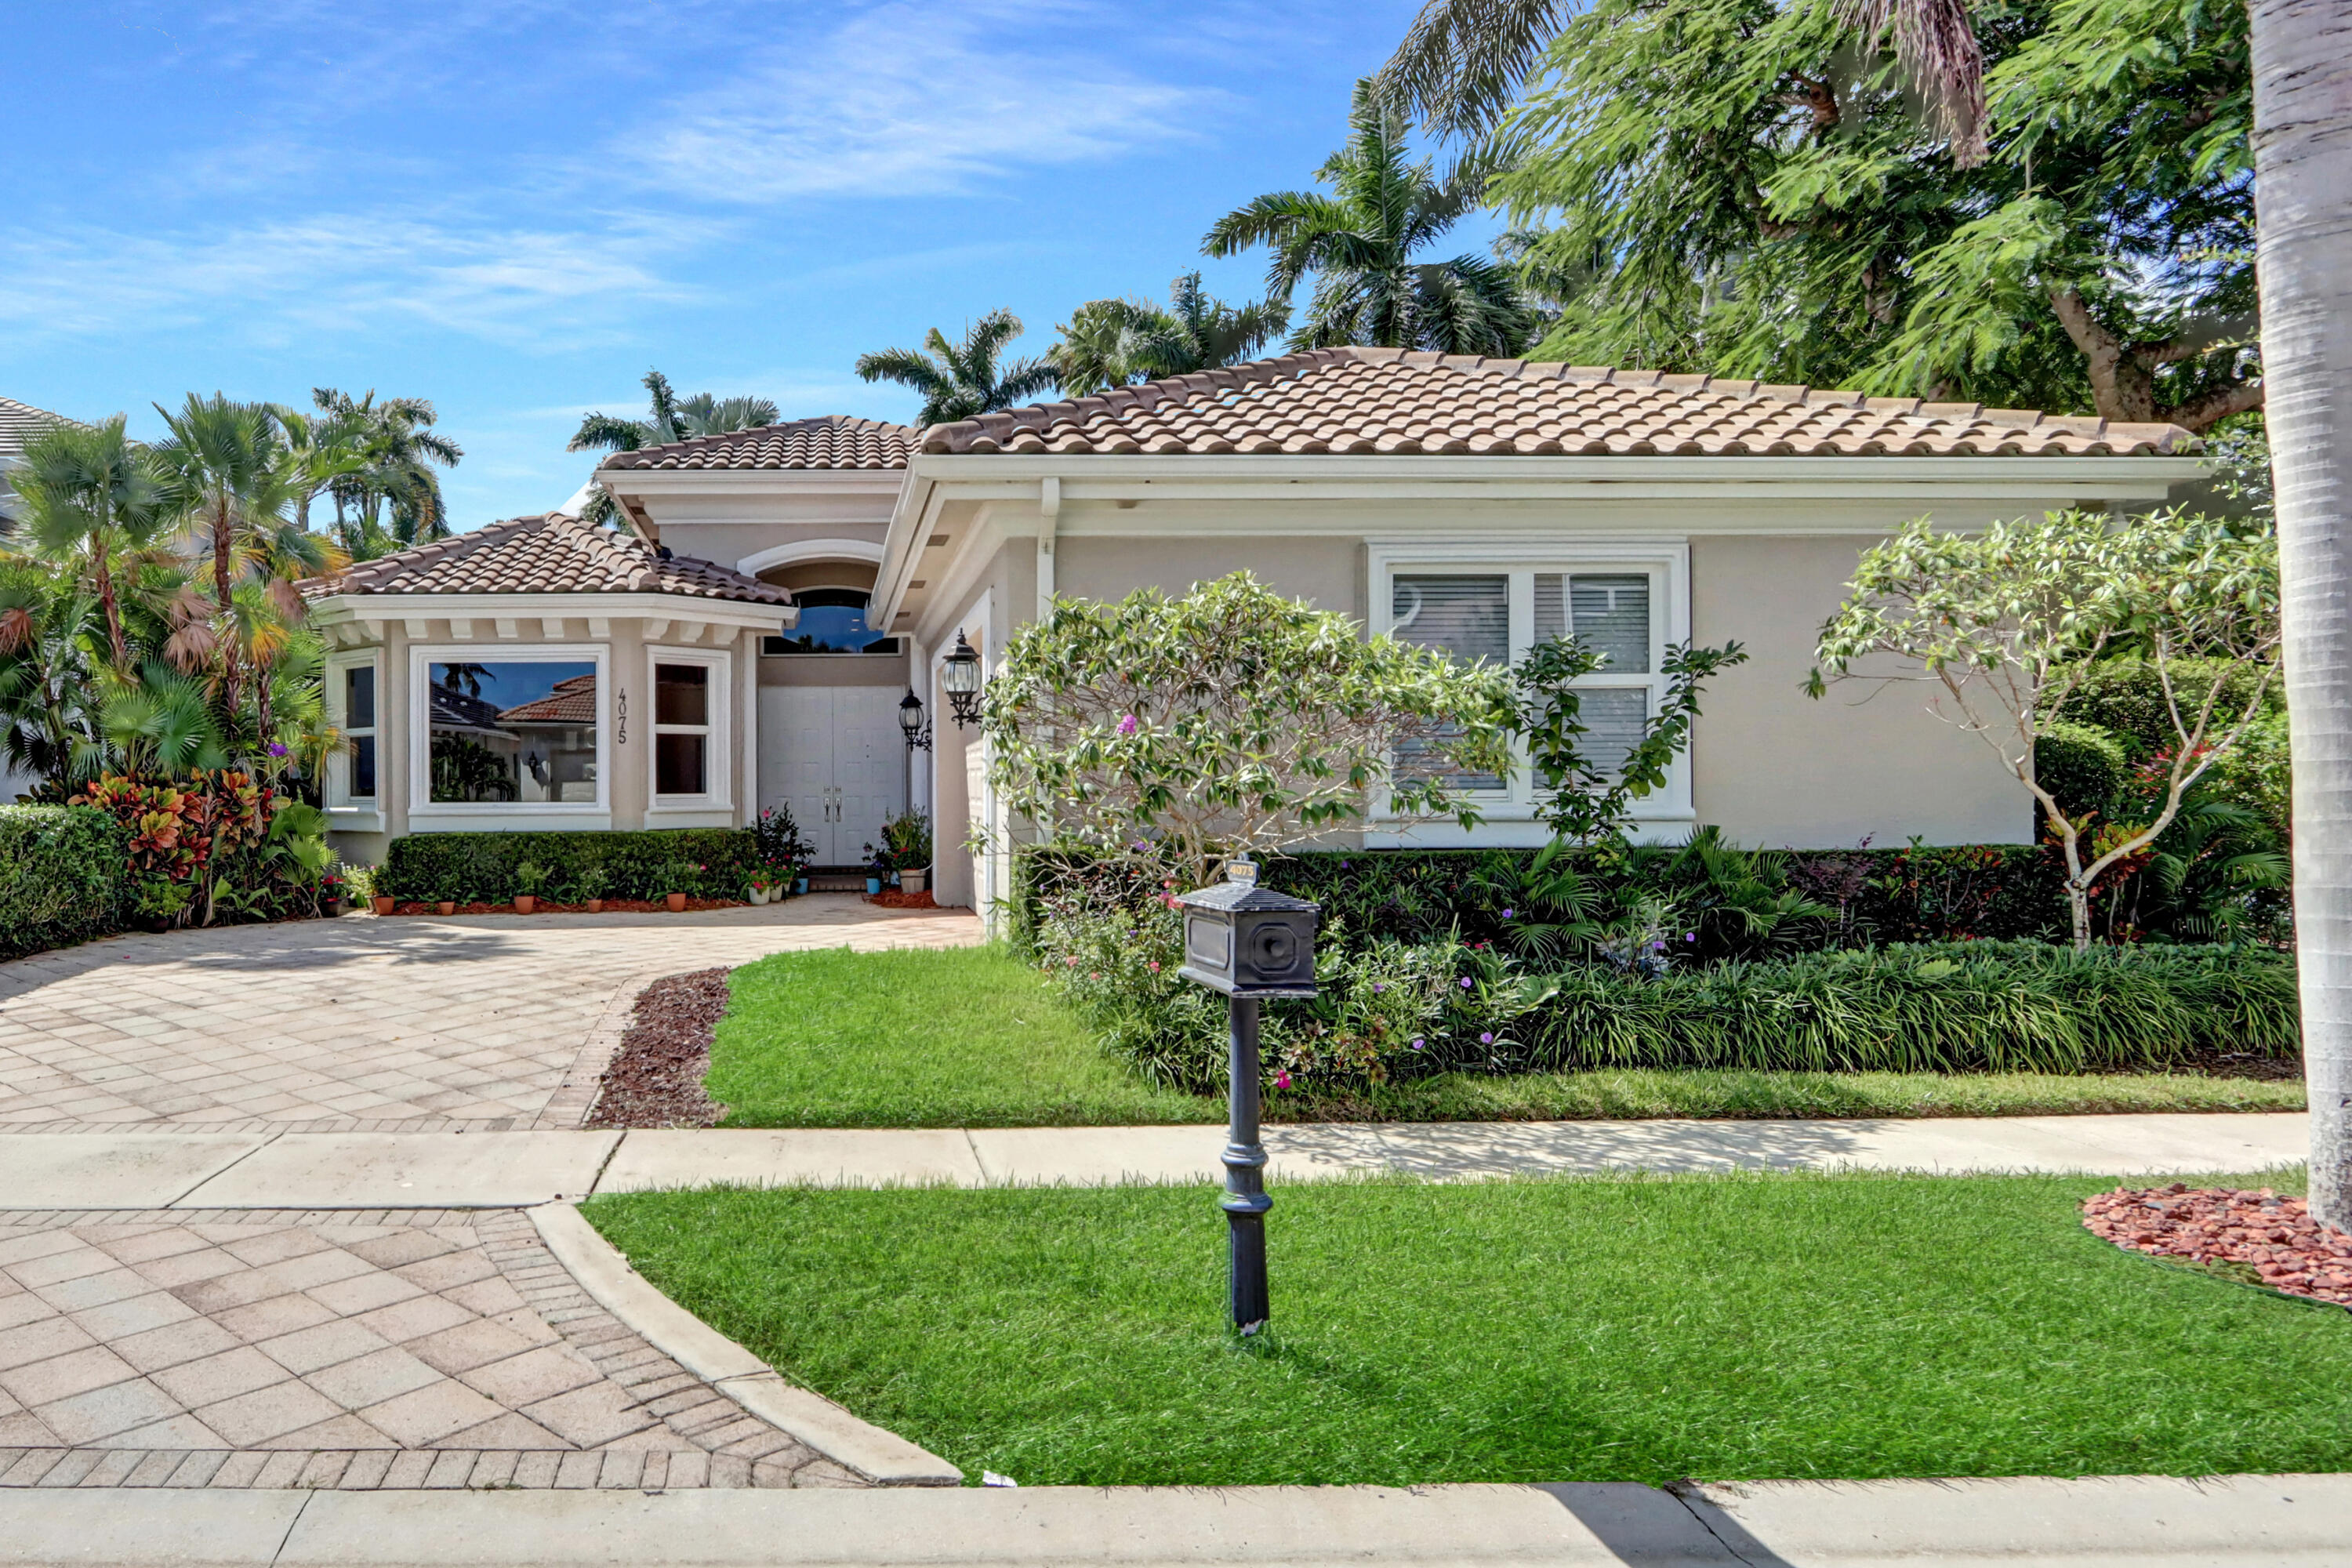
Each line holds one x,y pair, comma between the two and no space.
1774,767
1326,572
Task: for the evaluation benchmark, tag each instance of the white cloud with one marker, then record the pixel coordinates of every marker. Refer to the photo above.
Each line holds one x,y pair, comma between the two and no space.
510,285
910,99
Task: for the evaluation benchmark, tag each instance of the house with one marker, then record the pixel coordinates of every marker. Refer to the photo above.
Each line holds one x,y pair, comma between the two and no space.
1472,504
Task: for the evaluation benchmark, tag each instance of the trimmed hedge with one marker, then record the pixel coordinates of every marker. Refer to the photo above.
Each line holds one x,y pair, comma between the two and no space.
1974,891
1945,1007
64,877
479,868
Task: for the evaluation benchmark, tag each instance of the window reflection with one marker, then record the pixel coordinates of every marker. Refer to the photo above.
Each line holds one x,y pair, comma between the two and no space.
521,732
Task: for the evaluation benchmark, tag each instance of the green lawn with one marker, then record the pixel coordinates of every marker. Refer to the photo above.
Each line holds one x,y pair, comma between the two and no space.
972,1037
1636,1330
958,1037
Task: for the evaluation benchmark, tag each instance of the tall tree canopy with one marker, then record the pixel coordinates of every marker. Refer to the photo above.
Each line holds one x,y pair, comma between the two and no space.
1362,242
963,379
377,461
1739,186
1113,342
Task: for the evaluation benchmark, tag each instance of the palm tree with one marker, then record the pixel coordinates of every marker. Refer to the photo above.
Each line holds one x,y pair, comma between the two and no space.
96,499
2303,124
398,452
1361,242
669,417
958,381
1111,342
235,477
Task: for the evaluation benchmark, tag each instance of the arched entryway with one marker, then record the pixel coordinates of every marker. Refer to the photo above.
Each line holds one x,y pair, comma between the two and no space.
829,745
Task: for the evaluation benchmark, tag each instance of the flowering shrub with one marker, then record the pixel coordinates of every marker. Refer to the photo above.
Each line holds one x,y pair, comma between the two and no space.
217,843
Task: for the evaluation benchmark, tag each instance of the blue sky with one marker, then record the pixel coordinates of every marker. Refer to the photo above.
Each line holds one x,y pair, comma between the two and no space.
515,209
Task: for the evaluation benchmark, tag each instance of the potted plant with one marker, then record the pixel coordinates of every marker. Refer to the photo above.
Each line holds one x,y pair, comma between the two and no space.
781,844
877,870
907,840
679,879
589,888
530,879
763,886
445,898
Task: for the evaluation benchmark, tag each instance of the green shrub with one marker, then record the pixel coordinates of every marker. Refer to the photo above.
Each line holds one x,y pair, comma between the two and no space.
63,876
1917,893
2124,697
2081,765
480,868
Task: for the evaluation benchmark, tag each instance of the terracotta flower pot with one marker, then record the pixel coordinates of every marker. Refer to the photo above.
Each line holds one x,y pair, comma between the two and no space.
526,903
382,905
676,903
595,906
446,906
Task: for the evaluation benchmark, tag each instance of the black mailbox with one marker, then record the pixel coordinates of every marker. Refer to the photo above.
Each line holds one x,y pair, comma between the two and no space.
1248,941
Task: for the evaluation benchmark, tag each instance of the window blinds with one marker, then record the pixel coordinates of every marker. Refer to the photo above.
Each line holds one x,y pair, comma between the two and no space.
1469,618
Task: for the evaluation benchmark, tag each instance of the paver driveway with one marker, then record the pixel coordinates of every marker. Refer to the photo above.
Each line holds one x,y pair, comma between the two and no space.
407,1024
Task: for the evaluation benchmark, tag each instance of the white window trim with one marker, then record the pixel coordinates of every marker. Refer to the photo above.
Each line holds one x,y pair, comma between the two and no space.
425,814
715,772
346,814
1512,811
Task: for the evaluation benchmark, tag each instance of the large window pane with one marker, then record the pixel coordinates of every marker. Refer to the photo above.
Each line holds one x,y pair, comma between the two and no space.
1469,618
1611,614
682,694
1614,718
359,697
363,767
678,764
514,730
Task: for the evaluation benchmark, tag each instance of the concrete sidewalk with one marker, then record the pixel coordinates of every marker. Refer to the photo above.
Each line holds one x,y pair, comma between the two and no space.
2095,1523
92,1172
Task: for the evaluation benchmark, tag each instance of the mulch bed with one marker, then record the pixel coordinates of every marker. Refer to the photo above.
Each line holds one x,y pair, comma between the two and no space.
612,906
2256,1238
655,1077
891,898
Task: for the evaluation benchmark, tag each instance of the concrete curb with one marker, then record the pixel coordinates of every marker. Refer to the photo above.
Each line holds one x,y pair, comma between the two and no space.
883,1458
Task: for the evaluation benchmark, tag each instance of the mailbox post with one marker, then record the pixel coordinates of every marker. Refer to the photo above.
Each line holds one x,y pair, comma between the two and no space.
1251,943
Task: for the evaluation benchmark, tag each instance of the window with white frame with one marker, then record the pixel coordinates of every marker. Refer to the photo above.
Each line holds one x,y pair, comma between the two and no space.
354,784
1622,607
688,729
508,729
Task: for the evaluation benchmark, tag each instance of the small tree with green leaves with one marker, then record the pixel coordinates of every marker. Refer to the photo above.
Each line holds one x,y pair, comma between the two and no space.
1231,722
2004,627
1586,800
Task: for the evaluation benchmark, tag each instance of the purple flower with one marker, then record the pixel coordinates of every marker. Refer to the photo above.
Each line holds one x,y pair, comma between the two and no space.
1465,982
1486,1039
1690,936
1128,726
1416,1045
277,749
1508,913
1378,986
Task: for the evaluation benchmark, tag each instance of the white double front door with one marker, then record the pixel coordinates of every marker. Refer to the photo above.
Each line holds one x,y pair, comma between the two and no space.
835,755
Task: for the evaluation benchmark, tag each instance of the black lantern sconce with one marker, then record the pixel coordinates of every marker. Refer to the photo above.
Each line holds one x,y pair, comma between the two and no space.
960,679
913,722
1251,943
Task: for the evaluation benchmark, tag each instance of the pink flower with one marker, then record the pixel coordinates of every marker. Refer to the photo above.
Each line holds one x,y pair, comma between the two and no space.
1155,967
1128,726
1282,1080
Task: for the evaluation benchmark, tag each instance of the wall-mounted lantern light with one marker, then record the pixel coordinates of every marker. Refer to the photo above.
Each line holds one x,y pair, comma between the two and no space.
913,722
960,679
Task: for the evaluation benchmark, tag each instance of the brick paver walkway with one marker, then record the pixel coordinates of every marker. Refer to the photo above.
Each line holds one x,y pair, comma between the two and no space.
405,1024
385,1349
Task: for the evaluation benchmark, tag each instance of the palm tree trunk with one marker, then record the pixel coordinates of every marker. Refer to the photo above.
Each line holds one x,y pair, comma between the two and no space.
106,599
220,543
2302,166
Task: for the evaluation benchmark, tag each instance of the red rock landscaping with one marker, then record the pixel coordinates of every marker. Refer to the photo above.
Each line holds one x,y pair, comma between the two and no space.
2232,1231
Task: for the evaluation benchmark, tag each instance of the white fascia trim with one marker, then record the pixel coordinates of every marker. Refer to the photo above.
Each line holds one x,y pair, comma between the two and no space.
968,555
339,608
810,550
902,545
